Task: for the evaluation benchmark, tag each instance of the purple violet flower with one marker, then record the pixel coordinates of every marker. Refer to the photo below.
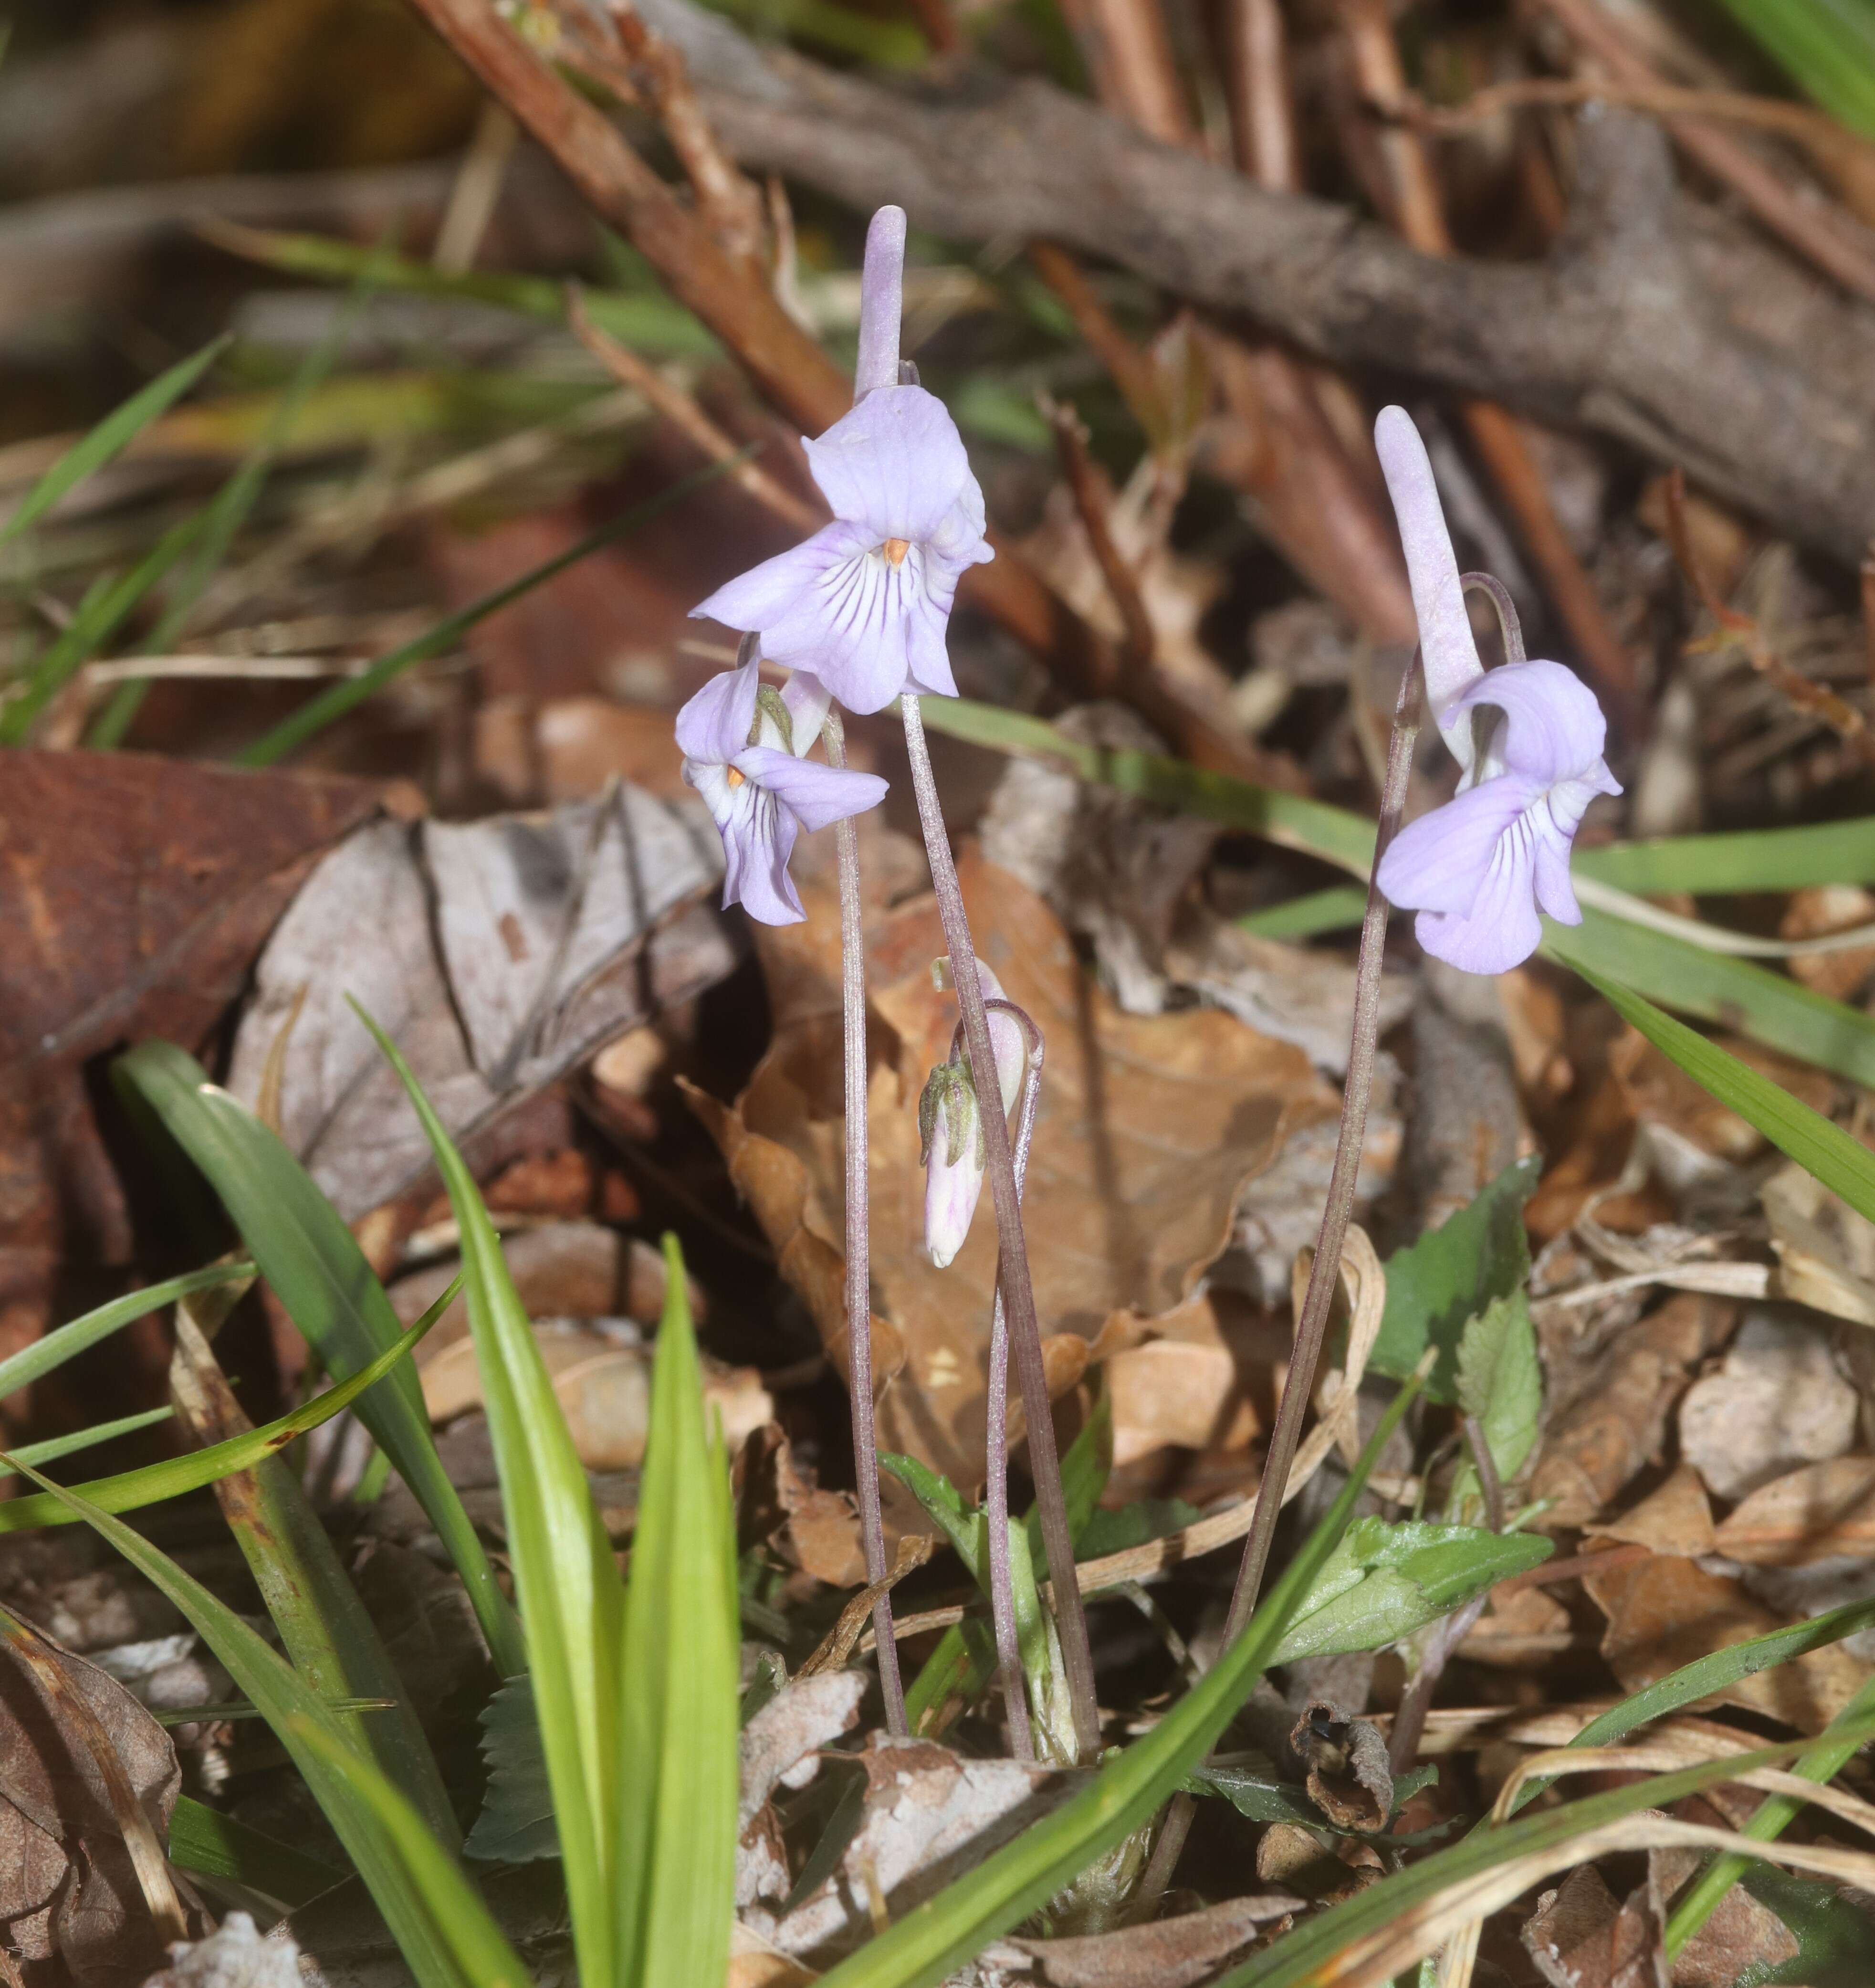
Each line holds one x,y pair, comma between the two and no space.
863,604
744,749
950,1128
1477,868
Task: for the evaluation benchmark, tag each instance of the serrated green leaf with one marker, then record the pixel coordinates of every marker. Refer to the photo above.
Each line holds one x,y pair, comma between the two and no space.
679,1710
318,1271
1500,1382
112,435
1436,1285
516,1823
571,1599
1382,1582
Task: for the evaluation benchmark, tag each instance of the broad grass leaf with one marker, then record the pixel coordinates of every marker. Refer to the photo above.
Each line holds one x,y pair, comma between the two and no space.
571,1598
679,1712
319,1274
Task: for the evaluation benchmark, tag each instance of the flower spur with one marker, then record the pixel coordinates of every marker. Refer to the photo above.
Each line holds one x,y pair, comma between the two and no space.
1477,870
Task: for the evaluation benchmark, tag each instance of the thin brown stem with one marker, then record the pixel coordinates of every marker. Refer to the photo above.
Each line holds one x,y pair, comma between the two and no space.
1018,1292
1490,1485
858,1243
1324,1272
681,410
1094,503
1256,82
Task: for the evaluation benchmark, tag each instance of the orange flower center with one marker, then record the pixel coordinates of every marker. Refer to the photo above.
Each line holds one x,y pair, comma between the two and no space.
895,550
734,776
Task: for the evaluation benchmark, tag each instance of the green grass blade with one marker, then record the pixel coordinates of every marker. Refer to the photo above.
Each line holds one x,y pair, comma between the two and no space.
1770,1008
1336,909
680,1678
648,321
331,704
111,437
56,1446
571,1599
825,24
1826,47
203,1840
323,1625
130,1490
1845,1735
461,1922
1757,859
34,1362
271,1682
319,1274
1844,1165
935,1937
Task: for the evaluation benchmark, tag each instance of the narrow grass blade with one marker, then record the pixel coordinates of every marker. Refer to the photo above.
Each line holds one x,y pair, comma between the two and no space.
1844,1165
32,1363
319,1274
203,1840
571,1599
284,1697
1827,48
1845,1735
1336,909
56,1446
924,1945
461,1922
111,437
648,322
130,1490
680,1679
333,1643
313,716
1757,859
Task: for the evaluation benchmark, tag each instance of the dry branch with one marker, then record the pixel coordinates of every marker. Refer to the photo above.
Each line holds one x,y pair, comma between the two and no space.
1651,324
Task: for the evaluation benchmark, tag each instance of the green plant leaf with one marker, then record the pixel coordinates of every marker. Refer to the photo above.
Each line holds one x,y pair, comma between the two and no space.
56,1446
1333,910
112,436
934,1938
323,1625
330,704
1836,1943
1382,1582
132,1490
679,1723
289,1704
516,1823
1826,47
1436,1285
1755,859
459,1921
571,1599
203,1839
1501,1383
318,1271
34,1362
1844,1165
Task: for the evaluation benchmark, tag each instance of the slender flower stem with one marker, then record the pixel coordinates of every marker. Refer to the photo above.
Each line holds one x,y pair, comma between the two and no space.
1012,1272
1324,1272
858,1259
996,1427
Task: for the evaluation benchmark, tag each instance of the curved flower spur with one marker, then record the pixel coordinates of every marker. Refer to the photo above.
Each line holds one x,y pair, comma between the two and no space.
1477,868
864,603
744,746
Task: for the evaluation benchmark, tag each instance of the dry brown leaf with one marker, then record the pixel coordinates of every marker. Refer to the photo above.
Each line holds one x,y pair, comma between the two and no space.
780,1506
1582,1938
1659,1092
1348,1778
1818,911
1744,1938
1818,1513
1777,1402
1148,1129
804,1716
1676,1519
603,1386
1169,1953
1664,1611
1520,1629
1615,1422
69,1883
1825,1251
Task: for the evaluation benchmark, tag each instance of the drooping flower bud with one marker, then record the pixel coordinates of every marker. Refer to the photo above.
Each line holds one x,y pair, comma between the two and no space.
950,1128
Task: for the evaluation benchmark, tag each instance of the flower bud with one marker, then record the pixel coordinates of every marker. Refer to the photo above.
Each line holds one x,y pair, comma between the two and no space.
951,1130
